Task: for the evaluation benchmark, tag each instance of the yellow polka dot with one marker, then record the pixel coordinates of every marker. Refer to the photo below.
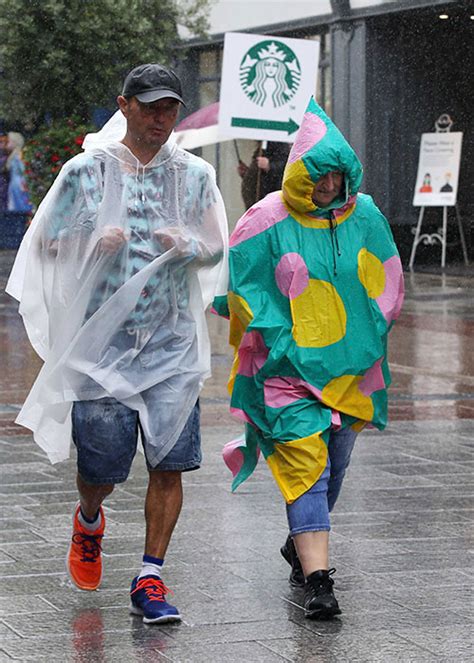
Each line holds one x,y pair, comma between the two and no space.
343,394
240,317
371,273
319,316
359,426
297,465
298,187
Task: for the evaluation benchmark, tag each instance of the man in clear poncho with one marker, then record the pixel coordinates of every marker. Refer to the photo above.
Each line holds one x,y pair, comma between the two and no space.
113,277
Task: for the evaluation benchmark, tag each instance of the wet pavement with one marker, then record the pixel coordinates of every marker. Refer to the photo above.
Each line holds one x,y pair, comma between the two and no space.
401,539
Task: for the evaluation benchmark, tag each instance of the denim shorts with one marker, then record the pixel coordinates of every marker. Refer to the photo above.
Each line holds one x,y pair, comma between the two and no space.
310,512
105,433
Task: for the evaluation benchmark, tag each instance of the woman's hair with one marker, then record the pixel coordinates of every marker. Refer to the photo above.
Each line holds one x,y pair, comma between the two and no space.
16,139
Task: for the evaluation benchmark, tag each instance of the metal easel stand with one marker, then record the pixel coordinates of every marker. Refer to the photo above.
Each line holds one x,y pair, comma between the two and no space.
441,236
442,125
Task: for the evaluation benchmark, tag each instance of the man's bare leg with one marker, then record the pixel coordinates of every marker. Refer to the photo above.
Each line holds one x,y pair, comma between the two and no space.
163,504
91,496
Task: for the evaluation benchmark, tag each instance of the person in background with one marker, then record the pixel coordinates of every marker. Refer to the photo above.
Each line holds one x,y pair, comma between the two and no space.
3,172
264,173
17,197
315,285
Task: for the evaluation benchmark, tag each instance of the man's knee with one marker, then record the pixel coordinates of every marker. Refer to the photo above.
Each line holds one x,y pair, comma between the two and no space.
165,479
93,489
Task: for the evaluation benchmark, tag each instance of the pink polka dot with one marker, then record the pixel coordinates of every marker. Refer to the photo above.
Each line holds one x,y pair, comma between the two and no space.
342,210
283,391
335,419
243,416
291,275
233,456
391,300
253,354
373,379
311,131
259,218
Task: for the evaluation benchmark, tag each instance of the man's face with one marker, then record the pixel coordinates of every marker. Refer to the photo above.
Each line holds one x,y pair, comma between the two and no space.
151,124
327,188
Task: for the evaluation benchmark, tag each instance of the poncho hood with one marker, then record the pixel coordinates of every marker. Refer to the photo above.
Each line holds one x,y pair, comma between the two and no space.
319,148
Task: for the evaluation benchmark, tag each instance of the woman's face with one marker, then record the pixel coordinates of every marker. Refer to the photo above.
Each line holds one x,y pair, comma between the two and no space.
271,67
327,188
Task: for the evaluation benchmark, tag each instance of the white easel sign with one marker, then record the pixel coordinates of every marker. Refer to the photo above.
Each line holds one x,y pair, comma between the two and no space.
266,85
438,170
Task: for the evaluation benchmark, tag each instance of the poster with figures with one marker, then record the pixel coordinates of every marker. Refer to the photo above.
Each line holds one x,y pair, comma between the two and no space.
438,169
266,85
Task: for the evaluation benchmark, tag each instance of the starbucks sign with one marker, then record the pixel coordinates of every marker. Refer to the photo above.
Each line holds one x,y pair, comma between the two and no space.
270,73
266,85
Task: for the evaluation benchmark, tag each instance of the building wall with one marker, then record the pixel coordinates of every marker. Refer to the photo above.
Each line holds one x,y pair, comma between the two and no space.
416,69
384,80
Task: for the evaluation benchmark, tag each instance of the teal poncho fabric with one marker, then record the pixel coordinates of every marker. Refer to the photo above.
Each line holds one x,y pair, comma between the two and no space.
313,293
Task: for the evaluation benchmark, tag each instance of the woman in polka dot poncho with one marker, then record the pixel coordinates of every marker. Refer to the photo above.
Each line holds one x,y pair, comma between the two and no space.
315,285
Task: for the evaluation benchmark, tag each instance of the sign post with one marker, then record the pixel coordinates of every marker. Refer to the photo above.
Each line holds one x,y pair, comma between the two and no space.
437,184
266,85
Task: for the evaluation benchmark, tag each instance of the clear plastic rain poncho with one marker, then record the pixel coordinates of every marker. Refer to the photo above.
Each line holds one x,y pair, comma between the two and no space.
127,323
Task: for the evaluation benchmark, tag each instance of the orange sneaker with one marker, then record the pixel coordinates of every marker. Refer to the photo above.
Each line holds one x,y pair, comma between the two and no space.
84,560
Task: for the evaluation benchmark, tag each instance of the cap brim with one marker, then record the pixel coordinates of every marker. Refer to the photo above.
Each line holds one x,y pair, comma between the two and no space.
155,95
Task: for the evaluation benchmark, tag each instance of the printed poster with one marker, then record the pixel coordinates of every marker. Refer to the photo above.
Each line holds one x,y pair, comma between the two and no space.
438,170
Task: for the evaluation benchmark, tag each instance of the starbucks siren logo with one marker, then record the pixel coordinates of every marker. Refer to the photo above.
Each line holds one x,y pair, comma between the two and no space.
270,73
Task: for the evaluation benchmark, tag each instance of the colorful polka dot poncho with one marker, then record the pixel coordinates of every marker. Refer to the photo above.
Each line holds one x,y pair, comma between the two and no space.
313,293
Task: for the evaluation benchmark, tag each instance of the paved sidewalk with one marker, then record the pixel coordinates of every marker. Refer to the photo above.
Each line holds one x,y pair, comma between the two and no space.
401,540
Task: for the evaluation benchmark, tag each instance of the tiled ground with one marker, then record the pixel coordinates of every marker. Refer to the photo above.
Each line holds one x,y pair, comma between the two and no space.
401,540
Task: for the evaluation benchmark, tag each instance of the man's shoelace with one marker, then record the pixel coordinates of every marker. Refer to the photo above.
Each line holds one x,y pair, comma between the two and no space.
155,589
324,583
89,544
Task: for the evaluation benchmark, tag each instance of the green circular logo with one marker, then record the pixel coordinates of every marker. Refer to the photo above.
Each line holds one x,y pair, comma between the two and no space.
270,73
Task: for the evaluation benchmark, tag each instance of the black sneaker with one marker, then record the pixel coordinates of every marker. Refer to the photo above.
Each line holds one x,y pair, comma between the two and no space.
319,599
289,553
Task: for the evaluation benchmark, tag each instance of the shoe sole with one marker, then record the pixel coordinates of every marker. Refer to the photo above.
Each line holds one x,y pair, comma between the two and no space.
322,614
158,620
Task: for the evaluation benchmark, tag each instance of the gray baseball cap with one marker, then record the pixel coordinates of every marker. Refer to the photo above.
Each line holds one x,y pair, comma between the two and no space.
150,82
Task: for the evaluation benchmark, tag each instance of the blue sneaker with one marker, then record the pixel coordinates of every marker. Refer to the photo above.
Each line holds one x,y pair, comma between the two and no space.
147,596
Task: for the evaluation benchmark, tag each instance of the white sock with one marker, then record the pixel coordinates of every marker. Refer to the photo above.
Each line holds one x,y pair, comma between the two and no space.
88,525
151,566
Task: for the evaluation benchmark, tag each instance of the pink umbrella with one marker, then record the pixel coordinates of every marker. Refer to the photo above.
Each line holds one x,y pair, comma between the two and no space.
200,128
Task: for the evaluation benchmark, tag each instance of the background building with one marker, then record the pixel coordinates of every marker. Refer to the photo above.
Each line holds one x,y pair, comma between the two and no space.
387,71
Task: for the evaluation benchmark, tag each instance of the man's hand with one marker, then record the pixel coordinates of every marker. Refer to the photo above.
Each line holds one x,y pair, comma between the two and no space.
112,240
263,163
173,238
242,168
